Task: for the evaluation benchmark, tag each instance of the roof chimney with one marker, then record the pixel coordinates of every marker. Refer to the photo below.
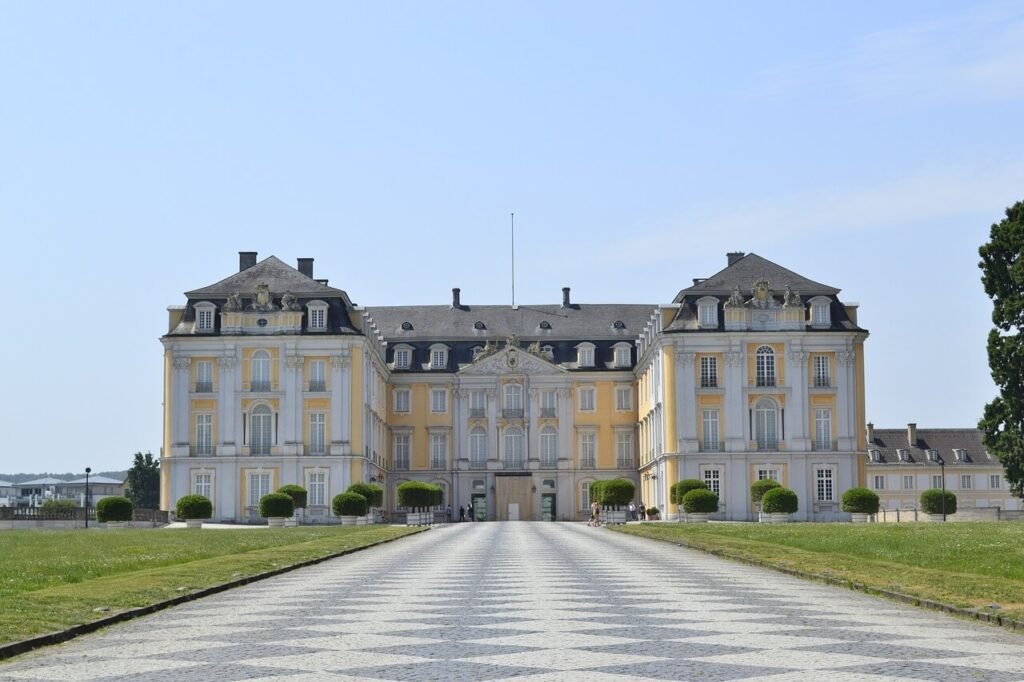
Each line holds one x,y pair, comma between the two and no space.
306,267
246,259
565,298
321,281
912,434
871,433
455,298
734,256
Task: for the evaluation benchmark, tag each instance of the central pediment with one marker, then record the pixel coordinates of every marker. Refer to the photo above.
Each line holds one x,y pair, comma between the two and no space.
510,360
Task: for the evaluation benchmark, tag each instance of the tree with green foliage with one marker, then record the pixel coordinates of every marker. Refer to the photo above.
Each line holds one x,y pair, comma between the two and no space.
1002,266
142,486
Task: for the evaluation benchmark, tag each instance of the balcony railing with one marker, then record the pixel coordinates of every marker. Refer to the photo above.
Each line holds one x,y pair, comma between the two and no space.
548,462
549,412
478,462
259,386
587,463
204,449
436,463
823,445
316,449
477,412
822,382
709,382
711,446
626,463
765,381
512,413
317,386
259,449
402,464
515,463
204,387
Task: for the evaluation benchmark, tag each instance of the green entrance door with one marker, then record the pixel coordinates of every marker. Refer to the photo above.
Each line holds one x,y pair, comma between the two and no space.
547,507
479,507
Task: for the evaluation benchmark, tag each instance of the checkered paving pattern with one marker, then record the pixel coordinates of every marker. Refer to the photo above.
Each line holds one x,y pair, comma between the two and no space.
493,601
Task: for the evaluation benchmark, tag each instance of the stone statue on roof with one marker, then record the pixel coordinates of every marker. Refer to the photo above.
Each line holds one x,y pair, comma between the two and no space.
234,303
289,302
792,298
534,348
735,299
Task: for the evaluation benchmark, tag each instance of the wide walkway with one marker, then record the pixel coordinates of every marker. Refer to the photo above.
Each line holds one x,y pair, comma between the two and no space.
538,601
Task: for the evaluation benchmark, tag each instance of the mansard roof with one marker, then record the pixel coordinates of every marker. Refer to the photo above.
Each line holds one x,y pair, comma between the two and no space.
745,271
280,276
888,441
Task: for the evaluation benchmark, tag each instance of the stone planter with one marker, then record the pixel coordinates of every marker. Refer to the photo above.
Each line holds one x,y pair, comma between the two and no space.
349,520
419,518
856,517
696,518
276,521
361,520
613,516
779,518
193,523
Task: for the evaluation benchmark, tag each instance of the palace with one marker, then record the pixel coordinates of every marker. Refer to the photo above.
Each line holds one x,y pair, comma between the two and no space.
273,377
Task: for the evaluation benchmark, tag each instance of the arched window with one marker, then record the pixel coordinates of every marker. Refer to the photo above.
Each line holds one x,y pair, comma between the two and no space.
548,447
514,453
765,366
478,448
766,422
261,430
260,371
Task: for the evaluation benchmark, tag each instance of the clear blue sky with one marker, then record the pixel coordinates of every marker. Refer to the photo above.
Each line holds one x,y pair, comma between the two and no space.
865,145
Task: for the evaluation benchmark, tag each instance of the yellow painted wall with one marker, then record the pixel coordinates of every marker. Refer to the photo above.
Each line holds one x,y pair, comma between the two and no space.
356,439
862,445
780,362
165,479
668,356
275,374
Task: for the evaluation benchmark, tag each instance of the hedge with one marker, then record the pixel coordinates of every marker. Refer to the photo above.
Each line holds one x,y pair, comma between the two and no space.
677,491
779,501
759,488
114,509
616,492
860,501
194,507
296,492
349,504
276,505
700,501
377,499
419,495
931,501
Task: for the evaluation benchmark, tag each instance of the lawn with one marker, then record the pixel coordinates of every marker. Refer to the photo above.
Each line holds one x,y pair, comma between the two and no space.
970,565
50,580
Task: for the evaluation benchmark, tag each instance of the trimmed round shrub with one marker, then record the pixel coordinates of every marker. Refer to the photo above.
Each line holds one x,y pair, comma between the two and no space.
194,507
296,492
376,499
779,501
415,495
114,509
679,489
931,501
276,505
759,488
860,501
349,504
700,501
363,489
617,492
652,511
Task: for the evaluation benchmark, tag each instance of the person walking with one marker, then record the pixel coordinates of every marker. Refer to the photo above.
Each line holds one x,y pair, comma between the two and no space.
641,511
469,511
448,513
462,513
632,511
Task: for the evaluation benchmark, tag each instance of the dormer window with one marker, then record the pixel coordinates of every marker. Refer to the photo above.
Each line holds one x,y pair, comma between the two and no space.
707,313
904,454
820,312
317,316
204,317
623,355
478,325
585,355
933,455
961,455
619,324
544,324
875,455
403,357
438,357
407,326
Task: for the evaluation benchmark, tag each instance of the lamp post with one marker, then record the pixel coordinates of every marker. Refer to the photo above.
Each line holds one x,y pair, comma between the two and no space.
942,469
88,471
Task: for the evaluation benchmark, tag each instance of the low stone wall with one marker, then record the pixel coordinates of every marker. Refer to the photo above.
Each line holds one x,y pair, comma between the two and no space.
37,517
962,515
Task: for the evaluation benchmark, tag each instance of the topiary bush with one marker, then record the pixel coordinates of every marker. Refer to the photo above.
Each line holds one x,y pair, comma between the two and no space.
376,498
652,512
194,507
596,492
363,489
114,509
296,492
677,491
415,495
860,501
617,492
276,505
931,501
349,504
759,488
700,501
779,501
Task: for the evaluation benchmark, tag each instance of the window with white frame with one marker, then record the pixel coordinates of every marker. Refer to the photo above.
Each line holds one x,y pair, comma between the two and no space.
585,495
587,399
995,481
764,365
960,455
623,355
438,451
403,401
588,450
713,480
623,398
317,433
204,376
965,481
908,482
478,448
515,453
585,355
202,484
261,435
403,358
766,424
822,371
478,404
823,428
204,316
820,314
879,482
709,431
825,488
548,447
400,450
438,357
317,376
708,371
260,365
549,404
438,400
316,487
259,485
204,434
624,450
317,316
512,407
707,312
768,474
937,481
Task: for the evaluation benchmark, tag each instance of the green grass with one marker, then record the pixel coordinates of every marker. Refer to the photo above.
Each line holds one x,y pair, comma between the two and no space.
51,580
970,565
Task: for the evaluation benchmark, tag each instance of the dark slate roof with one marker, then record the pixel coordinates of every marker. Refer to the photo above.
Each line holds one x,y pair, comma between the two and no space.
686,319
944,440
279,275
749,269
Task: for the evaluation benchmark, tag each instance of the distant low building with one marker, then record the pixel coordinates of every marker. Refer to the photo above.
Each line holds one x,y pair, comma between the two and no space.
8,494
904,462
34,493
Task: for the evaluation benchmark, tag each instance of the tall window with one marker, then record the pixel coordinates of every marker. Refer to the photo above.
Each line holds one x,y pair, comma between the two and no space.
588,450
549,404
822,429
937,481
202,484
478,448
402,358
585,356
261,430
624,450
515,457
624,398
318,318
316,485
204,376
400,451
622,356
478,404
879,482
438,400
965,482
401,400
548,447
438,358
513,405
765,366
908,482
260,371
707,314
204,319
995,481
709,431
766,424
317,375
713,480
259,485
204,434
825,485
708,371
317,433
821,371
585,496
587,401
438,451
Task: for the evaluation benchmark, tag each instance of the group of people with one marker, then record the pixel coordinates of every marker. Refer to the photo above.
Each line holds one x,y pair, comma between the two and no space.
634,512
465,513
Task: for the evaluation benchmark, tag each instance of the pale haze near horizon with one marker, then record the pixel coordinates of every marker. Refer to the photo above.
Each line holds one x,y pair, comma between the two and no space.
144,145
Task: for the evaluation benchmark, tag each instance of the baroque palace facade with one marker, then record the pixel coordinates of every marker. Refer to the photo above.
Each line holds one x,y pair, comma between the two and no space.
273,377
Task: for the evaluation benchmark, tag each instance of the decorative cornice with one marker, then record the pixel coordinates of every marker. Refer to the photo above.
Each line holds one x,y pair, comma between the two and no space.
182,363
227,362
339,361
734,358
